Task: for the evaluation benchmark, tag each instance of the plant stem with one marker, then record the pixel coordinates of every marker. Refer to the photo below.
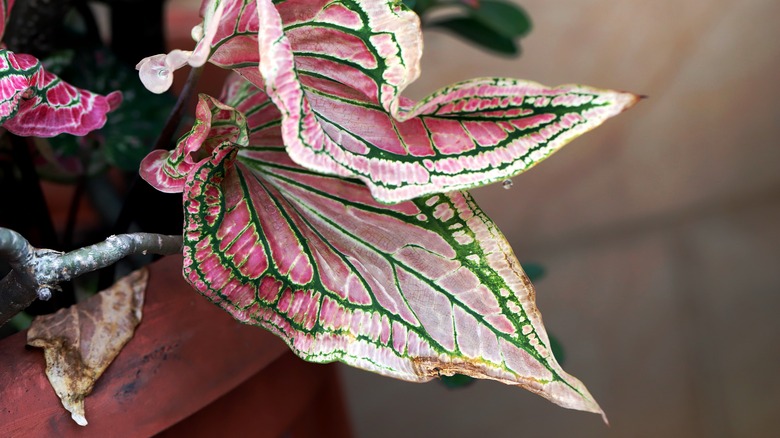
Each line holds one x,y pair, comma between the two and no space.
137,193
38,220
37,272
143,198
38,210
169,131
73,210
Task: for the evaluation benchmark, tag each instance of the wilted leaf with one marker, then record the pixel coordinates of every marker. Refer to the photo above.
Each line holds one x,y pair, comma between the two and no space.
80,342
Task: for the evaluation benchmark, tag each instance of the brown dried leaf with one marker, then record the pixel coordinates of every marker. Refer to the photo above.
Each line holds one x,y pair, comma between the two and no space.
81,341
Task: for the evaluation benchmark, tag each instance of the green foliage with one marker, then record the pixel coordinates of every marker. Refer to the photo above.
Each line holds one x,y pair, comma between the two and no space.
534,271
21,321
476,32
504,18
130,132
457,381
557,349
495,25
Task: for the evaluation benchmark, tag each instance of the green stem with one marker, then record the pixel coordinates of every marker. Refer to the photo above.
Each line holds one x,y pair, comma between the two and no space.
164,141
38,210
140,195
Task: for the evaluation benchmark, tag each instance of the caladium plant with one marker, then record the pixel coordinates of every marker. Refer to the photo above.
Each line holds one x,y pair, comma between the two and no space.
412,290
324,206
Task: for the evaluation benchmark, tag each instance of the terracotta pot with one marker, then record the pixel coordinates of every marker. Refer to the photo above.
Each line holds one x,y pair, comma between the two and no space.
190,370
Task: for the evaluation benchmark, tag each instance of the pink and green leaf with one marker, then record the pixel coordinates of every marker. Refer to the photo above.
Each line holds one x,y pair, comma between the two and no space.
34,102
336,69
413,290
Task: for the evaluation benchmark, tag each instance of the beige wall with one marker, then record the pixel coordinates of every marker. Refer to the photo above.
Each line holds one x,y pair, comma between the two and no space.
660,230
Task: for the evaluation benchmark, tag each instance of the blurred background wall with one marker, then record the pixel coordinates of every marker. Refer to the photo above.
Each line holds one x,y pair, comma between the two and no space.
660,231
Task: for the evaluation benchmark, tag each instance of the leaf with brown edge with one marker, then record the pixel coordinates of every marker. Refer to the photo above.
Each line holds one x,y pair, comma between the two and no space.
81,341
413,290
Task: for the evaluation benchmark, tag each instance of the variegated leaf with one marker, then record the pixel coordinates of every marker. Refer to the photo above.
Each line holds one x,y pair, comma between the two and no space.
413,290
337,68
34,102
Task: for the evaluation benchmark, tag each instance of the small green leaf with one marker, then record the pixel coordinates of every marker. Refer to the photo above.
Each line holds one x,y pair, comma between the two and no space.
557,349
504,18
132,128
534,271
419,6
456,381
474,31
20,321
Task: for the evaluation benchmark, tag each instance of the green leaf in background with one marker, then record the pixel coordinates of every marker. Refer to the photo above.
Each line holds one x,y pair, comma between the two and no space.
475,32
132,128
420,6
456,381
534,271
557,349
21,321
505,18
